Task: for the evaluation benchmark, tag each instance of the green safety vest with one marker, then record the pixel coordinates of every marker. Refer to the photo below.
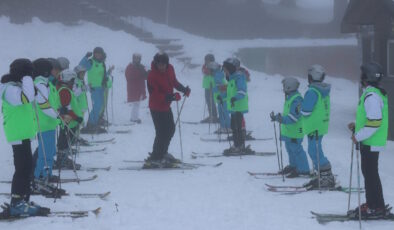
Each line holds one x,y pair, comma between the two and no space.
74,106
291,130
82,98
239,105
19,120
46,122
208,82
96,74
320,116
379,138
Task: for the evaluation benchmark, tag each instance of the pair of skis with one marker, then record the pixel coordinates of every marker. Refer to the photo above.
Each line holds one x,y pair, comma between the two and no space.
176,166
208,154
102,196
66,180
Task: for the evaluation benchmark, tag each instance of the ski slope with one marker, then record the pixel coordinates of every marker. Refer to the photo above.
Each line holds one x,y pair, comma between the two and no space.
205,198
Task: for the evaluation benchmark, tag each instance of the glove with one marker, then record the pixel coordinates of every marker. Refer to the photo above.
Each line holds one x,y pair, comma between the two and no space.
233,99
173,97
88,54
272,116
104,83
79,120
352,127
187,91
63,111
220,99
277,117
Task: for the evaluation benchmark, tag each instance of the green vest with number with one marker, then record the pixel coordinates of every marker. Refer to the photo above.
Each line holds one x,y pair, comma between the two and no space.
291,130
74,106
319,119
46,122
379,138
96,74
239,105
19,121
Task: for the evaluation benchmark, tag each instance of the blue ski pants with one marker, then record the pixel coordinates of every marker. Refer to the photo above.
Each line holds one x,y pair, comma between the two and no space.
97,95
297,155
313,147
49,140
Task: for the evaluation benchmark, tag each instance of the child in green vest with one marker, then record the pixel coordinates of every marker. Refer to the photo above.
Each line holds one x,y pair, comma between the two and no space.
370,132
316,118
20,126
208,84
291,129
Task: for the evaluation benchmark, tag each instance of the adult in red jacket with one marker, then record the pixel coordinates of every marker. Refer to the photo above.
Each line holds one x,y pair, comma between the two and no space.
161,84
135,77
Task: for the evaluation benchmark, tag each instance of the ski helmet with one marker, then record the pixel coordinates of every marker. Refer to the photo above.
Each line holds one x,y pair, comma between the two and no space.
209,58
42,67
230,65
21,67
64,63
68,75
79,68
137,57
371,72
98,49
55,63
161,57
290,84
316,73
237,62
213,66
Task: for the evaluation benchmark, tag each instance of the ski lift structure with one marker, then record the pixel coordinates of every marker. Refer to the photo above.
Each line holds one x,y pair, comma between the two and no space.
373,21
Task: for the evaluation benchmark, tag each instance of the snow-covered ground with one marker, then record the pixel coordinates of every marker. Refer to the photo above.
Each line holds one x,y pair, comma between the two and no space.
206,198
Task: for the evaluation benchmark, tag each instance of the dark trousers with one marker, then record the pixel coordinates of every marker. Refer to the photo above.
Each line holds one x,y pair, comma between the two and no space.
236,126
165,129
23,163
373,186
62,141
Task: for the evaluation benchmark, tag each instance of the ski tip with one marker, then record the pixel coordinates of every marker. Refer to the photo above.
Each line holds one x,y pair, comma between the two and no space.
250,173
96,211
105,195
218,164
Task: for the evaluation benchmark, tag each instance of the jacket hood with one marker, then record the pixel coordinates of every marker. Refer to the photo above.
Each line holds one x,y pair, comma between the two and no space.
323,88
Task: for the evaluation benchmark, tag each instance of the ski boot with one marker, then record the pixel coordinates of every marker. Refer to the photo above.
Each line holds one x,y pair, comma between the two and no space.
368,213
64,162
327,180
286,170
25,209
232,151
171,159
137,121
210,120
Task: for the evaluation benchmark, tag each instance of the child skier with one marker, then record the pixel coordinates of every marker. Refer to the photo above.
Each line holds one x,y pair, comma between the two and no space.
237,105
316,117
208,84
161,84
371,130
47,105
135,76
220,96
20,126
291,129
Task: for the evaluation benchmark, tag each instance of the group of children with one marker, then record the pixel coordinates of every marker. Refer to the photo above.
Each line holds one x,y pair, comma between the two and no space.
42,97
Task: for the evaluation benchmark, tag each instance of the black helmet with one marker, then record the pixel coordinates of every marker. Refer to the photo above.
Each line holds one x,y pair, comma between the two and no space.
209,58
42,67
21,67
98,49
371,72
161,57
55,63
230,65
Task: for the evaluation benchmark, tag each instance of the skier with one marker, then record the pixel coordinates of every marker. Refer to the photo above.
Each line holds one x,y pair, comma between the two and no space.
220,96
245,72
72,116
47,100
135,76
20,126
291,129
80,88
371,130
97,79
208,84
315,112
161,84
237,105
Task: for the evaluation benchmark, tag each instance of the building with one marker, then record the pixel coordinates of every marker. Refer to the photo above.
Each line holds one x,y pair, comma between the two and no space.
373,21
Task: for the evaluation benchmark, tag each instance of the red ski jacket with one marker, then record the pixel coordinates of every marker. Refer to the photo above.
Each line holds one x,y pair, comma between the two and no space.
159,86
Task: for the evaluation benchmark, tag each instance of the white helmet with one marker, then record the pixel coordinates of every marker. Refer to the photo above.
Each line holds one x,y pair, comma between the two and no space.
67,75
290,84
64,62
316,73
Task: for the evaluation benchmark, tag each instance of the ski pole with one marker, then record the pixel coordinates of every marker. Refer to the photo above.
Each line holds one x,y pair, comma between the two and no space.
318,158
180,111
276,143
350,177
179,128
112,100
358,183
210,108
281,154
